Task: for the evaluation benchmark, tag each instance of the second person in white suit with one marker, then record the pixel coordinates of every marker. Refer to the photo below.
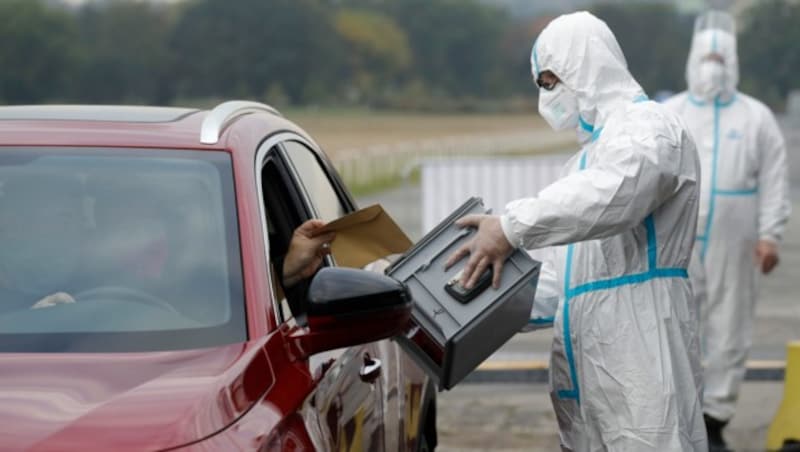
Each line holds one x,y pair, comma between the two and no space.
744,208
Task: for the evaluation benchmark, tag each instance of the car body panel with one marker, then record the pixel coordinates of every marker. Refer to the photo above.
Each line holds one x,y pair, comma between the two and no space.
256,395
82,401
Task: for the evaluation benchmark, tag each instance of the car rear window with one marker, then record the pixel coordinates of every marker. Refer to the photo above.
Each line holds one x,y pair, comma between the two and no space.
118,250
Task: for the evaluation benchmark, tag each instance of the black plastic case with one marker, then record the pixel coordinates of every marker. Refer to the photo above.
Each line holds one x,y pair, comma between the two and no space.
468,332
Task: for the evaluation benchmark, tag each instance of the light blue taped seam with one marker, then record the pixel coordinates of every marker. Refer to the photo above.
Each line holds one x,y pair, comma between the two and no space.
541,320
585,125
569,393
652,252
700,103
582,163
714,191
655,273
604,284
595,135
711,202
714,159
745,192
726,103
652,273
597,131
695,101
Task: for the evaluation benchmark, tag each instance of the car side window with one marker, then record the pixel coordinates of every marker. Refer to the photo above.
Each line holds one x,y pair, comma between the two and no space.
315,181
295,187
284,211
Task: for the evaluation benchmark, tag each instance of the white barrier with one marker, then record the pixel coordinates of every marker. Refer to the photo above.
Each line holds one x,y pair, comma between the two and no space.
447,183
364,166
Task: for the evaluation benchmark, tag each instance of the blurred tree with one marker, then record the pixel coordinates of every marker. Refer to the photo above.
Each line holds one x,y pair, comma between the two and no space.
38,56
768,57
515,49
655,39
455,44
406,52
242,48
124,55
378,50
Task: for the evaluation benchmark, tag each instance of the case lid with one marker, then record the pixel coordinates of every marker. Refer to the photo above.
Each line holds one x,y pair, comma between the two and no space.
456,335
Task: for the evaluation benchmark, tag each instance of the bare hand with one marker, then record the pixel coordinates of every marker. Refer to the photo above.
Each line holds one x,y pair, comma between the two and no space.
308,248
488,247
766,256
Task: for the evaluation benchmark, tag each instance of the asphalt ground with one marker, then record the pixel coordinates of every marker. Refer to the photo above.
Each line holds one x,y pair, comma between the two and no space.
519,417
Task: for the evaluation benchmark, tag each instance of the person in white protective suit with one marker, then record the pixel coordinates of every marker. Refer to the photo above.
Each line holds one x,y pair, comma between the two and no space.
744,207
625,371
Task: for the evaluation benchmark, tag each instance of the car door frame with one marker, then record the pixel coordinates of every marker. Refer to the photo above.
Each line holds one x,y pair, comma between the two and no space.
335,373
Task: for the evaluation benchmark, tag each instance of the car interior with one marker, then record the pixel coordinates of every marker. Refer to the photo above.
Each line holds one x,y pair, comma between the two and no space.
285,211
286,207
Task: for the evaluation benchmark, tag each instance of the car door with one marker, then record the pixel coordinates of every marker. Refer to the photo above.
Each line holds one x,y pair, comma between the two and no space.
344,411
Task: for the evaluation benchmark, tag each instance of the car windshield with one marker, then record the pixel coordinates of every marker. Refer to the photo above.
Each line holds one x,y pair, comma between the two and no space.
118,250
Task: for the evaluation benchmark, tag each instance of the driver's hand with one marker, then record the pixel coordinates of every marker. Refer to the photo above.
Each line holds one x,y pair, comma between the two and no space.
53,299
308,248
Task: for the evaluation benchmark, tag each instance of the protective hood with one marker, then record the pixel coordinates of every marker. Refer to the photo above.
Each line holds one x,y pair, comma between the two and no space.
713,37
583,53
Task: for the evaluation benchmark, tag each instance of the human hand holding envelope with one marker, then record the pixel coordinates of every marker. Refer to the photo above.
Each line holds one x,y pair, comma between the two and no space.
365,236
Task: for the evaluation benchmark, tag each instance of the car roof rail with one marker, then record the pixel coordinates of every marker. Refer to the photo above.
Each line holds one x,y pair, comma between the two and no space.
223,114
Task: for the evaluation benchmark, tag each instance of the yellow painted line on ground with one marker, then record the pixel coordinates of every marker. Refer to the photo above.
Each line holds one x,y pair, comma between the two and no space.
513,365
766,364
543,365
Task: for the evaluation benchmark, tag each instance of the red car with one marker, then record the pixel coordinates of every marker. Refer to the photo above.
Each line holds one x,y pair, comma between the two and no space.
138,307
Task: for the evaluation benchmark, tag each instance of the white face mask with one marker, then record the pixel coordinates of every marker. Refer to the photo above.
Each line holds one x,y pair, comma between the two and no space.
711,79
559,107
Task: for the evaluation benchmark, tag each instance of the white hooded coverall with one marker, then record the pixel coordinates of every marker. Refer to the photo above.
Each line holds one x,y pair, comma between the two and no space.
744,198
625,372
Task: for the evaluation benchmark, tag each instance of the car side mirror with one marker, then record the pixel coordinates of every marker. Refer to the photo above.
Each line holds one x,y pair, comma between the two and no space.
347,307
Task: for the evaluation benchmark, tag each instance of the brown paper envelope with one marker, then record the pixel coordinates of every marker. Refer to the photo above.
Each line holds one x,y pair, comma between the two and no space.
360,216
365,236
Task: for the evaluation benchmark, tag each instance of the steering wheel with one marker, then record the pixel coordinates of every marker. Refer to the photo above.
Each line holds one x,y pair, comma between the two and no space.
125,293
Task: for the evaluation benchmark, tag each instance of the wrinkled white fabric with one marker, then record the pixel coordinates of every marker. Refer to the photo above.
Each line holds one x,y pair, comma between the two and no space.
744,198
545,303
625,372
